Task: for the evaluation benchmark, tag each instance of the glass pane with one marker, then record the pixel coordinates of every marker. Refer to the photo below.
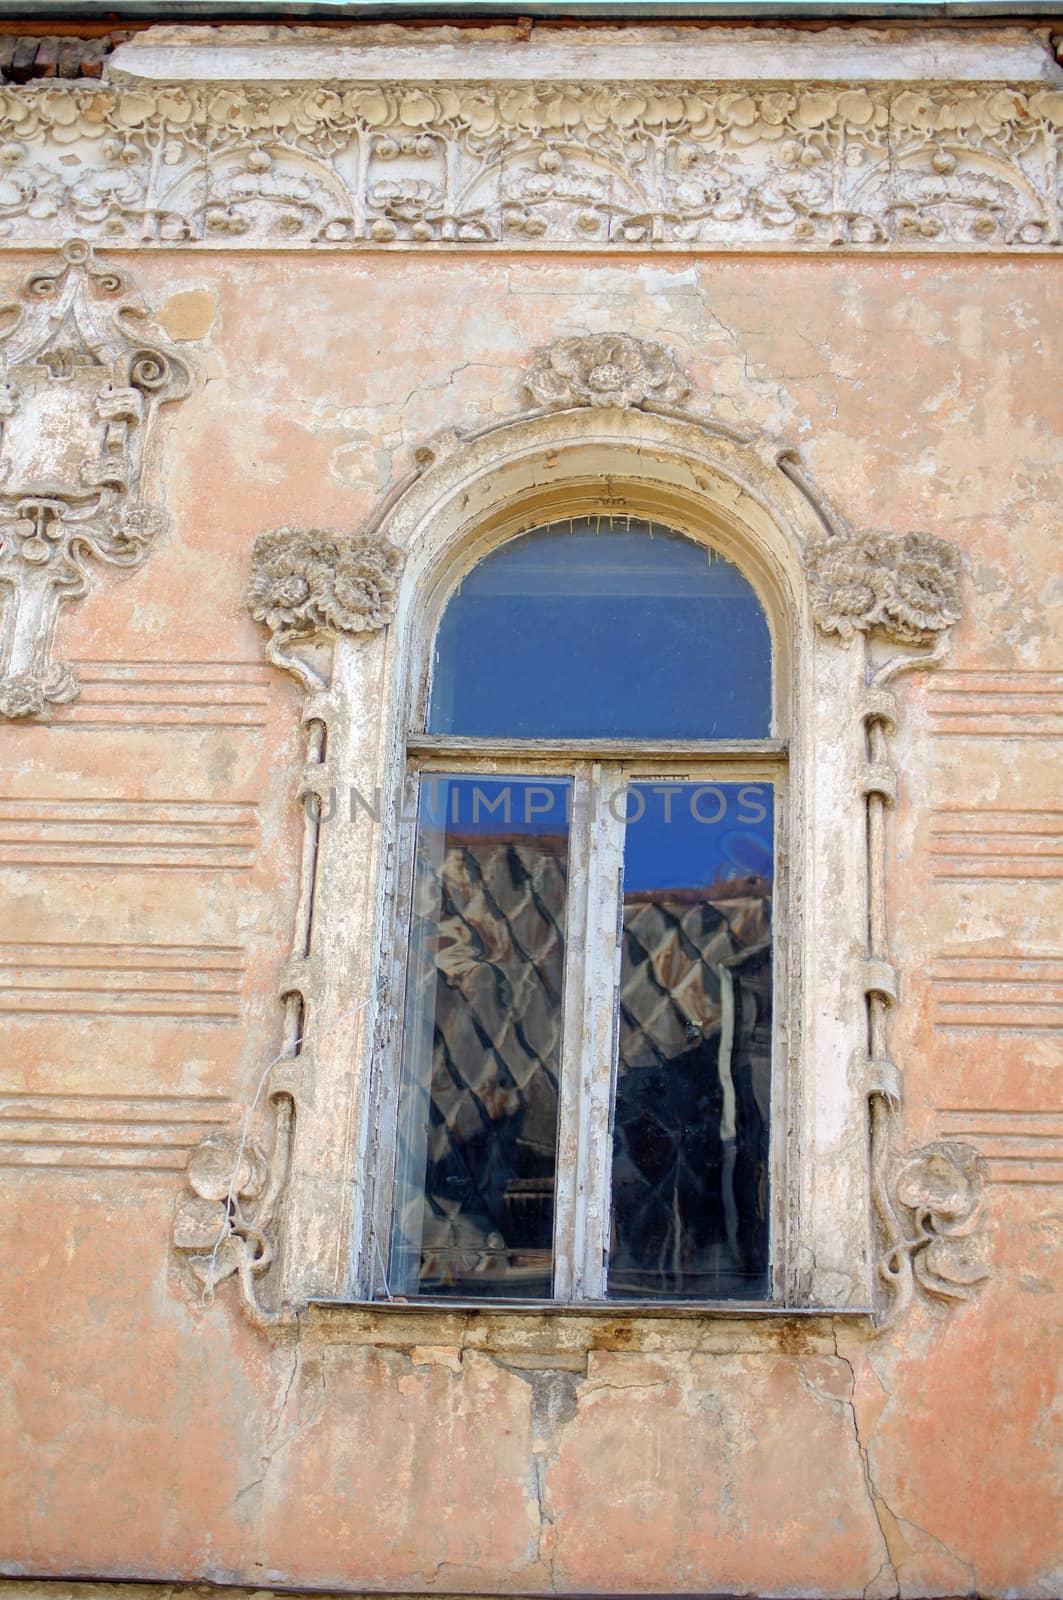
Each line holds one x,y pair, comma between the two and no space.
478,1097
603,627
690,1134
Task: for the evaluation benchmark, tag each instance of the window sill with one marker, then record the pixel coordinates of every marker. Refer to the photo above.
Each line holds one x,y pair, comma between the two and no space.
530,1331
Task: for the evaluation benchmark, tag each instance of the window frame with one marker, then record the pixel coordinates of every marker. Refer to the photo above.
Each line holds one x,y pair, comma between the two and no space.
700,478
600,769
591,992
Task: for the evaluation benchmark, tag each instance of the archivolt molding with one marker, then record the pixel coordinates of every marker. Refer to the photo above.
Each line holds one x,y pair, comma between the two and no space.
82,380
791,165
864,591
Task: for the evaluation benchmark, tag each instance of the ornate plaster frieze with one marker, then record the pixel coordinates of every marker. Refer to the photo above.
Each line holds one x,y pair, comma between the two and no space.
81,382
606,369
590,166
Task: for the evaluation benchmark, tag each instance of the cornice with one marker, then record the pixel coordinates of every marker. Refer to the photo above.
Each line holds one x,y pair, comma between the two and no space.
591,167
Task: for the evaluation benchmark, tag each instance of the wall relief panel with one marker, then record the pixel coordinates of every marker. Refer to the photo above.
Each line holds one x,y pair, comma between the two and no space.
80,385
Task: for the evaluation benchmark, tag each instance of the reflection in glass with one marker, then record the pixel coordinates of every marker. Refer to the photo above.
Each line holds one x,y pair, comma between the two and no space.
690,1137
478,1098
603,627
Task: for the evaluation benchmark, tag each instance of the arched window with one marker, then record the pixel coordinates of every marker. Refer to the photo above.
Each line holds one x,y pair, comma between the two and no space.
585,1088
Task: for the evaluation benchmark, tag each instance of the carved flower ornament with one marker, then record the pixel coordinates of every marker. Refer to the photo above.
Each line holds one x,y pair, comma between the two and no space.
907,584
304,583
609,369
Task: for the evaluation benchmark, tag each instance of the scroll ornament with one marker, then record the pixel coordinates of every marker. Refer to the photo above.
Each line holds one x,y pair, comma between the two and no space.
931,1210
306,586
227,1224
928,1202
81,383
608,369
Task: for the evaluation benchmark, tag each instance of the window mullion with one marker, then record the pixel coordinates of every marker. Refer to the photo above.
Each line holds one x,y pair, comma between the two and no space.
597,1043
568,1144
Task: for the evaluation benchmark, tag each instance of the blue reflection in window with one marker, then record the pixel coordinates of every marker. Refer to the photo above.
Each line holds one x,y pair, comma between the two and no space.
693,835
603,627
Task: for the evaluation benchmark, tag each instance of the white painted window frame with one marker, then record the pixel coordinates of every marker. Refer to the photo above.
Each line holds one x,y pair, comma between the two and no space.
600,771
734,494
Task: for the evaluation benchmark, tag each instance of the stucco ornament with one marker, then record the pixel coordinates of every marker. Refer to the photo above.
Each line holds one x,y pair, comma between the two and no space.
226,1224
931,1213
307,583
864,166
903,589
607,369
82,380
907,585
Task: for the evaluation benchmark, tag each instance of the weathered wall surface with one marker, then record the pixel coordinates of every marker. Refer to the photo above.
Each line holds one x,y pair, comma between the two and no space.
148,853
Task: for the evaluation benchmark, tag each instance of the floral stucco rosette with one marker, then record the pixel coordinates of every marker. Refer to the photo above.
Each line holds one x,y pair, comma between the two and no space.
905,584
304,583
608,369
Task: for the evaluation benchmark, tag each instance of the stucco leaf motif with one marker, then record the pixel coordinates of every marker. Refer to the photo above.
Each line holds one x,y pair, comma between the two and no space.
303,583
608,369
937,1198
906,585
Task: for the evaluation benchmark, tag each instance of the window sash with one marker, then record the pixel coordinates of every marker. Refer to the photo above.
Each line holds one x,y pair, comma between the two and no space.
599,769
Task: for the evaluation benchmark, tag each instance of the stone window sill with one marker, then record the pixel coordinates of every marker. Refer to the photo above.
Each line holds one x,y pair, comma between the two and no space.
531,1332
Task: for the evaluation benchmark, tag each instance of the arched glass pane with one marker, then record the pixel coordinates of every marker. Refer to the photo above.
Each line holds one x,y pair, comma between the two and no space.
603,627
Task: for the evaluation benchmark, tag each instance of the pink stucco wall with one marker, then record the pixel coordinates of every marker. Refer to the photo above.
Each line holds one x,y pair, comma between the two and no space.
149,1435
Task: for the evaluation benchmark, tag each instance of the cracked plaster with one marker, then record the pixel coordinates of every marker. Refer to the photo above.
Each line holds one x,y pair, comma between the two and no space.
438,1459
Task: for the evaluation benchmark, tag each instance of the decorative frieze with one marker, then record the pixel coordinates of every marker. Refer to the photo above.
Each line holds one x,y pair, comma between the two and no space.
81,382
589,166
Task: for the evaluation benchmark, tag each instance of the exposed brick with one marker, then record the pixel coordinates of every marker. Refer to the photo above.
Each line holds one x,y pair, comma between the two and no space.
25,60
47,58
70,53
